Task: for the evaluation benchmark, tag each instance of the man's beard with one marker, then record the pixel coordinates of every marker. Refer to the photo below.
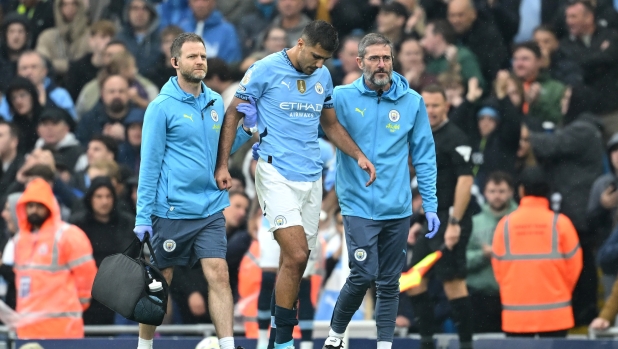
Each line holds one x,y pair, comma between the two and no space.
116,106
35,220
371,77
499,208
193,77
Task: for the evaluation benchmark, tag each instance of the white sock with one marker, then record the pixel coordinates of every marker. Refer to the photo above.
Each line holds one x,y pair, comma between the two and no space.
144,343
226,343
306,345
385,345
263,337
332,333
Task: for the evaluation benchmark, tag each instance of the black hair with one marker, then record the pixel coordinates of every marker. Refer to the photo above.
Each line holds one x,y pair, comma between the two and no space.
500,177
530,46
237,174
13,130
321,33
534,182
108,142
42,171
588,5
218,67
99,182
445,29
434,88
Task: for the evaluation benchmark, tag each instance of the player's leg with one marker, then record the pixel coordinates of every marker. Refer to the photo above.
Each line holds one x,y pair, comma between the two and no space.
422,305
210,248
269,262
306,310
392,255
362,240
455,287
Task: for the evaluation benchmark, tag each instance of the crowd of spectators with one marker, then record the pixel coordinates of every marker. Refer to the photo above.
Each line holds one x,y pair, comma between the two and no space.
530,82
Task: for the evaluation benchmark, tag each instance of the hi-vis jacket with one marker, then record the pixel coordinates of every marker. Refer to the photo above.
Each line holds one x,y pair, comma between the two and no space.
54,271
536,261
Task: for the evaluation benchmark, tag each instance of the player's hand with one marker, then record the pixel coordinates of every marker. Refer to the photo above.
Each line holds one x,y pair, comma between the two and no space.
223,179
250,112
599,324
433,224
254,151
451,236
368,167
141,231
197,304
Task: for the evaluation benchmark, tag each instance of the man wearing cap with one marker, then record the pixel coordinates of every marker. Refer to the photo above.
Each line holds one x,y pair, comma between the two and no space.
54,130
536,260
496,140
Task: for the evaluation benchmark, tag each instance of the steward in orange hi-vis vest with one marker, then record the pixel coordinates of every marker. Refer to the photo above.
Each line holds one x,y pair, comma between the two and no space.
54,270
536,261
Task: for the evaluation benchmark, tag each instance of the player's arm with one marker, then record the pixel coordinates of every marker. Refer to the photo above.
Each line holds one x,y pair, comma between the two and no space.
226,140
337,134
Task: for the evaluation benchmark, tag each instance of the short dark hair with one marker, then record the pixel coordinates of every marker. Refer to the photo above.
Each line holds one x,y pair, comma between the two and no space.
434,88
171,30
588,5
42,171
396,8
530,46
181,39
321,33
445,29
533,179
108,142
373,39
545,28
237,174
239,192
498,177
103,27
218,67
116,42
13,130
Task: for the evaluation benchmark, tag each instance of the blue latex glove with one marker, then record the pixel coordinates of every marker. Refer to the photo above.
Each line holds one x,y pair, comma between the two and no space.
254,149
250,120
433,224
141,231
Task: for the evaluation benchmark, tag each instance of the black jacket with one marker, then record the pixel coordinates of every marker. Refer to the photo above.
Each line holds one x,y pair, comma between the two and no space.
600,66
42,16
79,74
8,176
93,121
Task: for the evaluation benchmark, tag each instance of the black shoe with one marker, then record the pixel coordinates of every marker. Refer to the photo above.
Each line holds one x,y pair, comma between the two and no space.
333,343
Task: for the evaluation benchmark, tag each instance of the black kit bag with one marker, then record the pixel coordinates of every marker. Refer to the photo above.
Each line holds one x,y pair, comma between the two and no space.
121,284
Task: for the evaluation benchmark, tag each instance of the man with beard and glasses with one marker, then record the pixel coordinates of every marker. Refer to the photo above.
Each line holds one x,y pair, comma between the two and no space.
107,117
389,121
178,203
291,93
54,268
484,292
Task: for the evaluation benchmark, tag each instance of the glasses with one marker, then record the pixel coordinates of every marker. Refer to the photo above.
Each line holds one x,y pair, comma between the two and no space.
376,59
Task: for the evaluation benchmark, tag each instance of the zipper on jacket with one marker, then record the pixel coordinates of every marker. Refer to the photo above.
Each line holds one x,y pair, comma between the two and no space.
380,92
212,102
373,150
209,104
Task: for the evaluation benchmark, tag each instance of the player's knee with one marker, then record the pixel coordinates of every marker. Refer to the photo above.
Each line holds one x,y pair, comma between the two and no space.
362,279
217,274
389,290
296,260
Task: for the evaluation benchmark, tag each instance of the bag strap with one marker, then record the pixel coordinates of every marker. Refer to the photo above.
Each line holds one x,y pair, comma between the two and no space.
135,240
147,243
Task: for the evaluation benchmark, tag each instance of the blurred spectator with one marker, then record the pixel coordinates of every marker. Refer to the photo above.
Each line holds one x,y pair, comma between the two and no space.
559,66
9,214
542,95
141,91
391,21
603,202
346,59
509,85
219,79
40,13
253,24
171,12
536,263
238,239
163,69
91,93
109,231
86,68
572,157
351,77
482,284
110,10
99,148
482,38
411,60
219,35
141,33
54,130
291,19
352,15
64,287
129,150
416,20
32,65
439,43
596,51
107,116
23,101
235,10
15,40
274,40
12,159
68,40
608,313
